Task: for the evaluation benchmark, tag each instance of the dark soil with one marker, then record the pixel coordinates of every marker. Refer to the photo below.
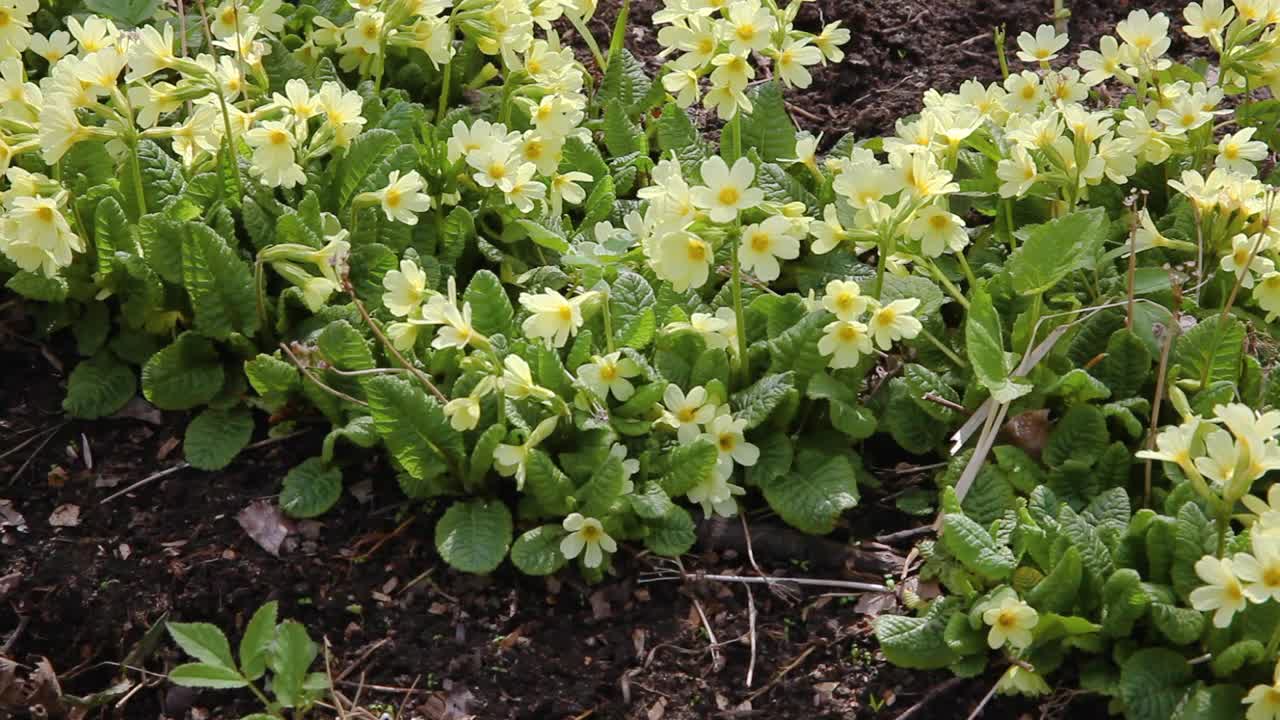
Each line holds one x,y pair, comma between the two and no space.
900,49
366,577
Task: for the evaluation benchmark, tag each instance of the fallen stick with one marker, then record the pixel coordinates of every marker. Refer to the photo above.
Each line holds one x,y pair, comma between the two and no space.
184,465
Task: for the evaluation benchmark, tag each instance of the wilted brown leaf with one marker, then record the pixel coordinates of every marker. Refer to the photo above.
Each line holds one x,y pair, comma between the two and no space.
65,516
266,524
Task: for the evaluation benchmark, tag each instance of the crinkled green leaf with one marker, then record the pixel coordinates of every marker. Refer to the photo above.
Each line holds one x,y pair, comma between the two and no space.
473,536
220,284
215,437
98,387
537,551
813,496
311,488
1056,249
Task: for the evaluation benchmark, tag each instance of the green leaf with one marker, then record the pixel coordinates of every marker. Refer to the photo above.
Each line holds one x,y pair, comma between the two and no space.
1078,386
1219,702
850,418
491,311
183,375
921,382
768,127
621,135
1245,652
537,551
414,427
1124,602
797,347
35,286
220,284
1056,249
600,204
597,496
547,484
672,535
257,638
205,675
363,156
650,501
678,134
98,387
358,431
1127,365
1211,351
1153,682
1182,626
1080,435
111,232
311,488
691,465
819,489
984,344
473,536
1094,554
1191,534
293,654
272,378
344,347
482,454
161,178
542,235
130,12
631,302
1056,592
974,547
215,437
204,642
918,643
756,402
625,82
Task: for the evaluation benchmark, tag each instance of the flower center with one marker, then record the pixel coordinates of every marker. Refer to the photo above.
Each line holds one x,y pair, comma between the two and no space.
729,195
1008,619
685,415
497,170
727,442
608,372
1231,152
229,16
392,198
1271,576
370,31
848,333
938,222
697,251
565,313
760,242
746,31
4,18
886,317
1234,592
44,213
706,45
591,533
1188,119
278,137
1028,92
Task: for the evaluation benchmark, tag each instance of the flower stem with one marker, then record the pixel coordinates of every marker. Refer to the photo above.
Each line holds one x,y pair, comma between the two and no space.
950,287
589,39
608,324
738,314
137,177
1224,520
444,92
951,355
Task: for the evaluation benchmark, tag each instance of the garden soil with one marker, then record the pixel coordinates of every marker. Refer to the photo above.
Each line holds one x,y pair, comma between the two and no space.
83,579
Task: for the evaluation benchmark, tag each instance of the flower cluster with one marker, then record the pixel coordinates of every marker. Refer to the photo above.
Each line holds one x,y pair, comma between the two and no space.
695,415
719,40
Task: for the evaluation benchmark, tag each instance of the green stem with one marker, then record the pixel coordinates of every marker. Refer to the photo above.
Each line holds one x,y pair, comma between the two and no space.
882,259
968,271
1008,223
260,286
738,314
951,355
137,177
1224,522
589,39
608,325
231,147
444,92
950,287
